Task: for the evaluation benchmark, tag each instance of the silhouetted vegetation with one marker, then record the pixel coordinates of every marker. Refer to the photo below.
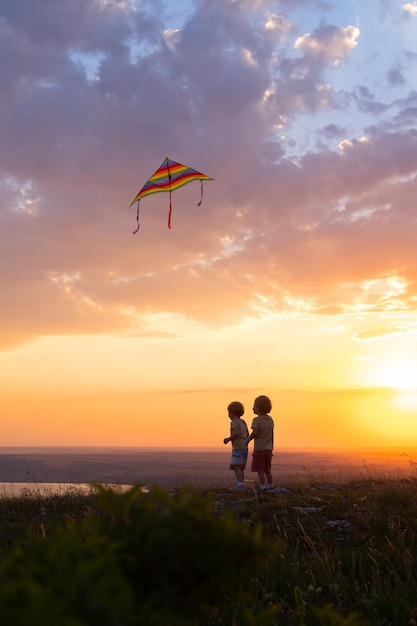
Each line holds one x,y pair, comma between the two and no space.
335,554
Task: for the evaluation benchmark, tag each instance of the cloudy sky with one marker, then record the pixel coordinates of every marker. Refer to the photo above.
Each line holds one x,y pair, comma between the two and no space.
296,277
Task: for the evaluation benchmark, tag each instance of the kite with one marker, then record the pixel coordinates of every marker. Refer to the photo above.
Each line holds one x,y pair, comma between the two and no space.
168,177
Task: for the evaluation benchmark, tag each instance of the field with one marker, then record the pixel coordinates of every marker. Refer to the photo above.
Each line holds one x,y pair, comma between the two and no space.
312,553
175,467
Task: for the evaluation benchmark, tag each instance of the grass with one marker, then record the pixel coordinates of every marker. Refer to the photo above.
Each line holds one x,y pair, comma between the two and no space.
352,546
346,551
31,515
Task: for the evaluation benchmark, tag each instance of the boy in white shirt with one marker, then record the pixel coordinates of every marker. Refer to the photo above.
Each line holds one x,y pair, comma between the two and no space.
238,436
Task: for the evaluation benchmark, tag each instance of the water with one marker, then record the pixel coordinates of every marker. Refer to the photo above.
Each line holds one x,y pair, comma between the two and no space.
8,490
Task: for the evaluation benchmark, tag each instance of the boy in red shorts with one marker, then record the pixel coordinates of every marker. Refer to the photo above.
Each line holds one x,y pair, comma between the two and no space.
263,434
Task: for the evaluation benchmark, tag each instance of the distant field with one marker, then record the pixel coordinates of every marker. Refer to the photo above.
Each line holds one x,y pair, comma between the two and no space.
173,467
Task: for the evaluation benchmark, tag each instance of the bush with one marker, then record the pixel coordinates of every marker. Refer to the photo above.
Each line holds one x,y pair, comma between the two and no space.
142,559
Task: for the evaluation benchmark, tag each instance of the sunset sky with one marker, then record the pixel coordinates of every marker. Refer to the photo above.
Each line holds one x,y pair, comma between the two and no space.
295,278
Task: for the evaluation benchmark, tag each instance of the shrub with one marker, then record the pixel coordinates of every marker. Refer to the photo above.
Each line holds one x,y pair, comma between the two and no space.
143,559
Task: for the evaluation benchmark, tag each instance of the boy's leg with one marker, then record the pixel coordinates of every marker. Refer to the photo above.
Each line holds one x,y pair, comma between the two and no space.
268,472
261,476
258,467
239,478
239,475
237,463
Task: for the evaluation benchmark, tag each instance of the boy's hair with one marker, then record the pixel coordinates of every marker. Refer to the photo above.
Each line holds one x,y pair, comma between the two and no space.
262,405
237,408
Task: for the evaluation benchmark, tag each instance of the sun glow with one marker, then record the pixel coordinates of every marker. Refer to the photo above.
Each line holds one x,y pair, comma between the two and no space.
398,373
406,401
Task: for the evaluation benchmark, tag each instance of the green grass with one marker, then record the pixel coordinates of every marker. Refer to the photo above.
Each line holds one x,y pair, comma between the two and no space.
31,516
351,546
313,554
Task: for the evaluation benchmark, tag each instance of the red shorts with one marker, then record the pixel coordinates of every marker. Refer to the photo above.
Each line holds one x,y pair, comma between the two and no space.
261,461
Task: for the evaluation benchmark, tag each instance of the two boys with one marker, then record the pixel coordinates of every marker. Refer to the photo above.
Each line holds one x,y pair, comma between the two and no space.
263,436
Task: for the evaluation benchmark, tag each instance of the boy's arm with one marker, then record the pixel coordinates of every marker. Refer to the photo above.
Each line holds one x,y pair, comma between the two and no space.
253,435
233,435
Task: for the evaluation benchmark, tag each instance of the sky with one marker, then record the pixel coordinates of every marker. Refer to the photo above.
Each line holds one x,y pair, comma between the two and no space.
295,278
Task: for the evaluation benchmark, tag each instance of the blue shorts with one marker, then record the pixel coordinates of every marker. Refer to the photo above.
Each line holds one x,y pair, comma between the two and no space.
239,458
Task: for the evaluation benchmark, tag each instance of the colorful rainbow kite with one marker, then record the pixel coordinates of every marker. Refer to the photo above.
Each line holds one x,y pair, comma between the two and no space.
168,177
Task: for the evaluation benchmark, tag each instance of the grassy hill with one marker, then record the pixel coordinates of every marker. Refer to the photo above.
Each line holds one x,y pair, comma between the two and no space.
312,553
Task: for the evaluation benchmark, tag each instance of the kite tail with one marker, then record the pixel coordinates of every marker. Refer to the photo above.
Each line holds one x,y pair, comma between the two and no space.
170,210
170,196
201,199
137,219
